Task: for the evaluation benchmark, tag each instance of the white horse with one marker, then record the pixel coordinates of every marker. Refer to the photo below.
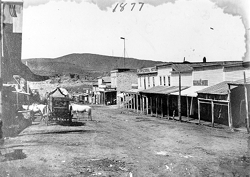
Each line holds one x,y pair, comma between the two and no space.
78,108
37,108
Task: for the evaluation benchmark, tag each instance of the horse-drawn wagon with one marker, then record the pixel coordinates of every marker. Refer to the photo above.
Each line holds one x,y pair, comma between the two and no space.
59,106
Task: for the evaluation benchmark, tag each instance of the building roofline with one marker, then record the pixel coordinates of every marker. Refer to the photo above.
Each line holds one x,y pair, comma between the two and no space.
12,1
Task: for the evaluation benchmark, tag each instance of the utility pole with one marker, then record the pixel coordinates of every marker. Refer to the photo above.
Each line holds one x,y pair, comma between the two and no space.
1,74
246,101
179,97
124,52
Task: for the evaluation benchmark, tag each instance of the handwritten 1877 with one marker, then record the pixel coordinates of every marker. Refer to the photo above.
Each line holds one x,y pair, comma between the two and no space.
132,6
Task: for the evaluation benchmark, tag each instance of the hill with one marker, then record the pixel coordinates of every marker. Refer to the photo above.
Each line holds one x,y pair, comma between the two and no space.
91,65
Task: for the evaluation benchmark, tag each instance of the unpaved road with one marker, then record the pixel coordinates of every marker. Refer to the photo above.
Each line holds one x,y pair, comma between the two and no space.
120,143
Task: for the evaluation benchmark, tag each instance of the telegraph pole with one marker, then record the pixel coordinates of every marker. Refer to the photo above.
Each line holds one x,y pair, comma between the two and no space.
179,97
124,52
1,74
246,102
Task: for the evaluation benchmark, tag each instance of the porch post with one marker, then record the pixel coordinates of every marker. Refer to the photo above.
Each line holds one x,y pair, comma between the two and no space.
129,101
199,111
137,102
132,100
134,97
104,98
124,101
229,108
151,105
179,97
141,104
147,104
187,108
168,106
212,108
162,107
191,106
156,105
1,76
246,102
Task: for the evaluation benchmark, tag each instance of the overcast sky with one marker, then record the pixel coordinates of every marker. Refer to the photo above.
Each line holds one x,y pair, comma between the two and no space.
163,30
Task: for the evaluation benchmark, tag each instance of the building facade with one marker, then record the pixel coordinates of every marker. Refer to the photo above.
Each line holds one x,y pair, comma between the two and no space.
159,93
147,78
122,79
103,92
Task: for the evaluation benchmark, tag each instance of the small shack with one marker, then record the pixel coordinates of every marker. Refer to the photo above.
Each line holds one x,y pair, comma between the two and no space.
223,103
239,97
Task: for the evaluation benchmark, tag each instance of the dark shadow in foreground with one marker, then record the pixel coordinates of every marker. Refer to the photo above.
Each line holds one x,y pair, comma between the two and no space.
16,155
66,123
61,132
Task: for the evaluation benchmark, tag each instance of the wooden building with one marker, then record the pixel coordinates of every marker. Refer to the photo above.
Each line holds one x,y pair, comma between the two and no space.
103,92
223,103
159,92
122,80
10,58
147,77
158,100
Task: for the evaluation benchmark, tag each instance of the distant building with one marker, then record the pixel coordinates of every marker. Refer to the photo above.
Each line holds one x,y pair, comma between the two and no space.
147,77
122,80
103,92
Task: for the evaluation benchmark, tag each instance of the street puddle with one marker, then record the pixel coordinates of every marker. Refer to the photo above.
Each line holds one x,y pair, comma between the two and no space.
17,154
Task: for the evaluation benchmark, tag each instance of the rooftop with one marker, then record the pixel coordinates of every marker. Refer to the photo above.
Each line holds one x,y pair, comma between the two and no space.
188,66
218,89
222,87
163,89
12,1
240,82
191,91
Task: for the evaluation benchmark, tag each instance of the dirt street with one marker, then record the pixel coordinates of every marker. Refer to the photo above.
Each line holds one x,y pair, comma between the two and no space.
119,143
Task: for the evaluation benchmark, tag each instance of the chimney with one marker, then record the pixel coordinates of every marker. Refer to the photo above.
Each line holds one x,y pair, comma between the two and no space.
204,60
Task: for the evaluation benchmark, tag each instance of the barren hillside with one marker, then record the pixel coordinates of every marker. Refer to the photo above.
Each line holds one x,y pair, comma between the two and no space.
84,64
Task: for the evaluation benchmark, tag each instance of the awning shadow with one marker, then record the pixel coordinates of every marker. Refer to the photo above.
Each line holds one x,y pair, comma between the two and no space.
67,123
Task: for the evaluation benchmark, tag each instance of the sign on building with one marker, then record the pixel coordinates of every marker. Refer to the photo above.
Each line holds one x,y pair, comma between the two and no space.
147,70
200,82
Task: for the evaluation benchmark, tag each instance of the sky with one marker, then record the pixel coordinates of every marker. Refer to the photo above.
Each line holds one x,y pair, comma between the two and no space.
160,30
